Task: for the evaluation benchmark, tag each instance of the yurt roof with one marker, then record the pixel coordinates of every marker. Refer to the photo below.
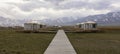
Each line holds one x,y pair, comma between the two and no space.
90,22
82,23
79,23
34,22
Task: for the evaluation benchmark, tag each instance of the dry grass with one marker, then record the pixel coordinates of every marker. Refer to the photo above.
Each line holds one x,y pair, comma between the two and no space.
12,42
109,27
96,43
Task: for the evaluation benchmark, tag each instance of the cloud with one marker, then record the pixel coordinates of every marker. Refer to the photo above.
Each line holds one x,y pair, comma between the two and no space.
44,9
90,4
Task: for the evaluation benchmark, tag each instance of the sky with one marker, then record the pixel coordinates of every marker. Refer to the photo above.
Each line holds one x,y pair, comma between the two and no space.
52,9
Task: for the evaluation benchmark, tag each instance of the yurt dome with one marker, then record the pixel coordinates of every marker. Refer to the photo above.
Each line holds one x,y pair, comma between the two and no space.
89,25
78,23
32,21
90,22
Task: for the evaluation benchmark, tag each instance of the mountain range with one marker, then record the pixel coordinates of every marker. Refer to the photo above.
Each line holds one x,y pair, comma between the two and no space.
111,18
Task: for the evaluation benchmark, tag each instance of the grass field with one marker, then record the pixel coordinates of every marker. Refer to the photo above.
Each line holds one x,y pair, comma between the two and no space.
96,43
12,42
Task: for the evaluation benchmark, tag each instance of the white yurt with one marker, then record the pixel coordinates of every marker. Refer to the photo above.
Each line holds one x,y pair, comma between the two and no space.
89,25
79,25
33,25
42,25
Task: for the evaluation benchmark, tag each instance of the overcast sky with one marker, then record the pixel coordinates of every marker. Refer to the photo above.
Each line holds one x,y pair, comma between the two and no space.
44,9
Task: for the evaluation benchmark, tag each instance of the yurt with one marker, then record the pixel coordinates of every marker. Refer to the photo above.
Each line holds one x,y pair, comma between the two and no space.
89,25
42,25
31,26
79,25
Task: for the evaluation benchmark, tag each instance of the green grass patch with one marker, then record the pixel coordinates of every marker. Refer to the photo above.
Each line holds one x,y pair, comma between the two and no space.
96,43
12,42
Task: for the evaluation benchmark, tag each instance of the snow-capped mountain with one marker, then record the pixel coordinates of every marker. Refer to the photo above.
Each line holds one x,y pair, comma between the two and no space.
59,21
15,22
10,22
112,18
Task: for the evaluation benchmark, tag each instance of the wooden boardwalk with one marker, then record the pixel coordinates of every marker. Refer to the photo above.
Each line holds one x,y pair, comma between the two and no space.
60,45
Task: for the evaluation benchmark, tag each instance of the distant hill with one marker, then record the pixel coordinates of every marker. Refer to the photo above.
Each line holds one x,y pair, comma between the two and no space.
10,22
112,18
60,21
